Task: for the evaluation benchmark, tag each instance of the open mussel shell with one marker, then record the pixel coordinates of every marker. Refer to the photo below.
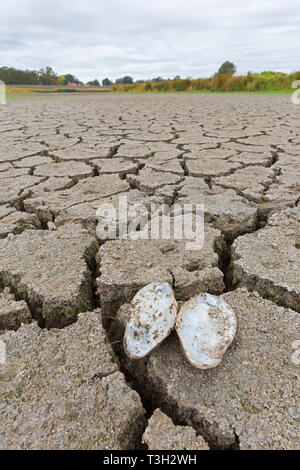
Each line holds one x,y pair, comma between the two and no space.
206,326
152,317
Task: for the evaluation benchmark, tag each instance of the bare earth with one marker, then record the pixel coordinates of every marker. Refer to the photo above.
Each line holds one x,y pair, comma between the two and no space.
67,383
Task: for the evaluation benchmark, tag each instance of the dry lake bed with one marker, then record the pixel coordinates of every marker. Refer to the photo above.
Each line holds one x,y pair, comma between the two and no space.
65,382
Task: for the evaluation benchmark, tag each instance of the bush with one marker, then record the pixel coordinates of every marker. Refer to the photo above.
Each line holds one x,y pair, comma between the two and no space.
264,81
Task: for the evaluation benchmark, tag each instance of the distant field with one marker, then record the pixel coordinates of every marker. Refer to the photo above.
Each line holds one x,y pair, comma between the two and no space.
54,89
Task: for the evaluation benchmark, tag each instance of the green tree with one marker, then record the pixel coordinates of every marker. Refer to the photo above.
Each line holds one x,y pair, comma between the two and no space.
47,76
227,67
107,82
69,78
94,82
12,76
125,80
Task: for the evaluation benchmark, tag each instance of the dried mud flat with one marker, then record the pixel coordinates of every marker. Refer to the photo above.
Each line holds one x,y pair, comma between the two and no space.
66,383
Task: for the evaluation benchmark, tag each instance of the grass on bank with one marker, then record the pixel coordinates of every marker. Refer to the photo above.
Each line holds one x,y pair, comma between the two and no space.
272,82
265,82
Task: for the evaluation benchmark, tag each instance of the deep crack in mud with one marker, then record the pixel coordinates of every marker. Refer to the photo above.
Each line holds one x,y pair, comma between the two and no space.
70,155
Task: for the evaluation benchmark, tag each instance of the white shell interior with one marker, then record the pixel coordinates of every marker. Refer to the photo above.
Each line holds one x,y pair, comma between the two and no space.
206,326
152,317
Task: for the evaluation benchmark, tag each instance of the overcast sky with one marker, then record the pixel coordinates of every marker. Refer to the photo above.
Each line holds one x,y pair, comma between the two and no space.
148,38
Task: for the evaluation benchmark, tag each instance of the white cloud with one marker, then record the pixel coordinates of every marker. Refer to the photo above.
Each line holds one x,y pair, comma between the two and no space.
146,39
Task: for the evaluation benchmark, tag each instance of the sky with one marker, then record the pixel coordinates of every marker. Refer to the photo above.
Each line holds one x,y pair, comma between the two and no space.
150,38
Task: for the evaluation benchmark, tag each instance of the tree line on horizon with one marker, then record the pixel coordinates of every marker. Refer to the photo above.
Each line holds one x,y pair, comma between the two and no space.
47,76
224,80
44,76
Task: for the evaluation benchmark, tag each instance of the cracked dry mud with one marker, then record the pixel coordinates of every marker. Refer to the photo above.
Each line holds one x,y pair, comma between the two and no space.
64,295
